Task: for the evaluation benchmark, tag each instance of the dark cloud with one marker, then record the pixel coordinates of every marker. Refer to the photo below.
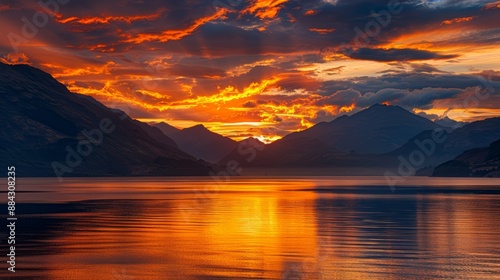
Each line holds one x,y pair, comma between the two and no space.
397,54
334,70
321,116
190,50
406,80
277,119
425,68
196,71
249,104
423,98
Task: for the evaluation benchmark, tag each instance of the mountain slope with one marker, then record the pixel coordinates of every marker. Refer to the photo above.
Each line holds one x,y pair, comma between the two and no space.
200,142
449,123
166,128
473,135
49,130
479,162
375,130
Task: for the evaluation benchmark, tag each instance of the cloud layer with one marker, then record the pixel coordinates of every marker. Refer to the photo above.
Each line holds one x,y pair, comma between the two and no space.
263,67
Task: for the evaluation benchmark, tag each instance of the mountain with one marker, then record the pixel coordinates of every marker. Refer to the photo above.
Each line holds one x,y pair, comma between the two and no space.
447,122
200,142
153,132
166,128
479,162
49,131
471,136
375,130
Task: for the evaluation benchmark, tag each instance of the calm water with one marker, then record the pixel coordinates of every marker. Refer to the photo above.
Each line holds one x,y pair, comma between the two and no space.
282,228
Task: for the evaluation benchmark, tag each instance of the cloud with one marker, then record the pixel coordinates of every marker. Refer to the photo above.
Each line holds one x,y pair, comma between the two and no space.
405,80
425,68
322,30
457,20
249,104
259,60
108,19
264,9
398,54
277,119
174,35
493,5
423,98
321,116
16,58
195,71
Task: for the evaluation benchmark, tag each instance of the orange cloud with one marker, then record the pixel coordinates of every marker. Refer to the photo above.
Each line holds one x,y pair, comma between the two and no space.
108,19
492,5
322,30
174,35
310,12
264,8
15,58
231,93
66,72
457,20
347,109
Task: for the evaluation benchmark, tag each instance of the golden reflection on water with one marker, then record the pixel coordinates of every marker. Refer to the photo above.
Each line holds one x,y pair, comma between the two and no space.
259,229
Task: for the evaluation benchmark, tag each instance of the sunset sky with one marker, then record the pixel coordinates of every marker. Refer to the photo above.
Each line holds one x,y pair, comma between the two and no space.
264,68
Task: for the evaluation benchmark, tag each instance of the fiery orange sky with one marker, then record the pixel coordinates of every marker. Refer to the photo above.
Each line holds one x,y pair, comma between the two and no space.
264,68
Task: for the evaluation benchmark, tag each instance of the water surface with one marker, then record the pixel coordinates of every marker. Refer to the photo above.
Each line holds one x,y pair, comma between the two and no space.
257,228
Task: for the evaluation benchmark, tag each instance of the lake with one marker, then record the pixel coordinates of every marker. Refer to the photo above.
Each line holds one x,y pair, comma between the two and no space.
256,228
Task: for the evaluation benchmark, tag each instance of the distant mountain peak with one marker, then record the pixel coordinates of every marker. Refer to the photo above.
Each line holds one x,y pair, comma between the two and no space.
449,123
165,125
200,141
253,139
198,127
166,128
379,105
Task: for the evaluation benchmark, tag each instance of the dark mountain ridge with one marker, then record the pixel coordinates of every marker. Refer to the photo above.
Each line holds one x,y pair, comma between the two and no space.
375,130
479,162
199,141
47,130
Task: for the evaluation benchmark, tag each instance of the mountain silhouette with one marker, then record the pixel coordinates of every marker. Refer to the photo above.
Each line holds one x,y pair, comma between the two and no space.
49,131
375,130
479,162
166,128
199,141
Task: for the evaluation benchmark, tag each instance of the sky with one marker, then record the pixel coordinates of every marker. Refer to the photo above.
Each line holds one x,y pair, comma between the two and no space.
264,68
